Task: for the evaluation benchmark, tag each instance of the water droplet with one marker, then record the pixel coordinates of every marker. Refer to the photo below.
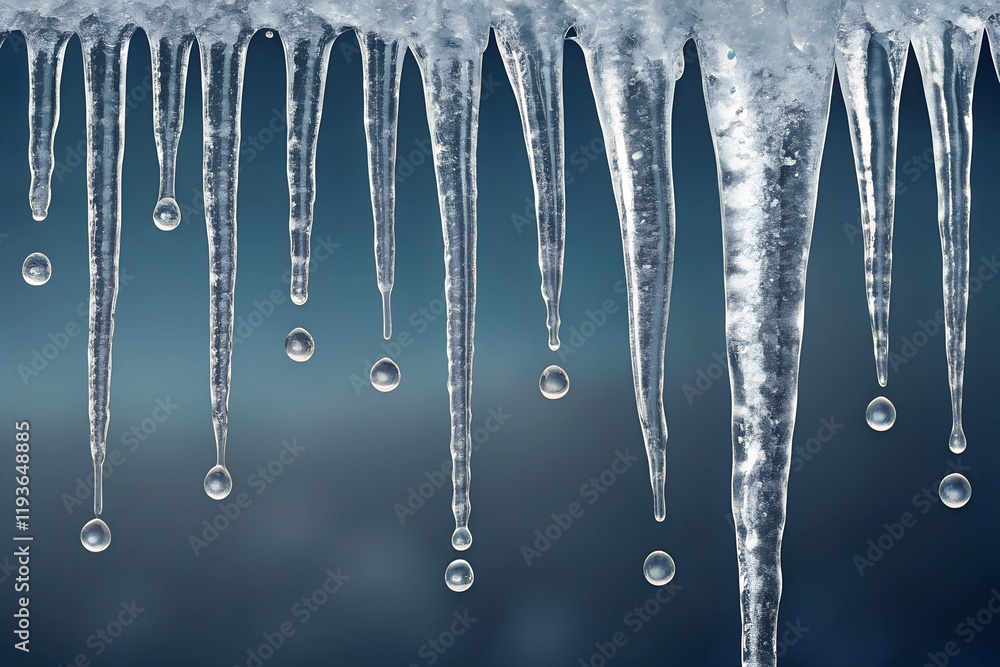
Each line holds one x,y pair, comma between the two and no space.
554,383
731,55
881,414
167,214
269,34
732,91
95,536
299,345
461,539
385,374
459,575
659,568
218,483
956,441
36,269
955,490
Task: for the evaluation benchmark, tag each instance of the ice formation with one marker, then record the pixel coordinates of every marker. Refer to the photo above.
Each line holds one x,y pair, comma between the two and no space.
767,70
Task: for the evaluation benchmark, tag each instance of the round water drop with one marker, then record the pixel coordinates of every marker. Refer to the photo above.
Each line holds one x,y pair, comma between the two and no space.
955,490
461,539
956,441
881,414
269,34
95,536
554,383
167,214
36,269
385,376
459,575
659,568
218,483
299,345
731,55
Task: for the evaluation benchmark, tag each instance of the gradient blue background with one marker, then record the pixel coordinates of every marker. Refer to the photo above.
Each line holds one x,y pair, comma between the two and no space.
334,505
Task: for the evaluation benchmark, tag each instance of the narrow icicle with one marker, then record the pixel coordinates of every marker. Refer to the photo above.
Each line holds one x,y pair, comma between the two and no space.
871,71
307,55
46,48
223,57
532,52
105,53
633,82
948,56
170,56
451,90
382,64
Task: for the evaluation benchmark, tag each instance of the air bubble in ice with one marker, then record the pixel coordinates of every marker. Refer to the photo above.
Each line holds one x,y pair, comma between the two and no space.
459,575
95,536
167,214
554,382
659,568
881,414
461,539
269,34
299,345
385,374
36,269
955,490
218,483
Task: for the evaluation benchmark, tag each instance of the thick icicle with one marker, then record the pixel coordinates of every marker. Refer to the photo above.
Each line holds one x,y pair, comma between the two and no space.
170,55
633,79
532,52
768,105
105,53
948,55
223,57
452,77
307,55
871,65
46,48
383,67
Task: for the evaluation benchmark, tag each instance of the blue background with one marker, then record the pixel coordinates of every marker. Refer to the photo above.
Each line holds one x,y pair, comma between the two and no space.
336,504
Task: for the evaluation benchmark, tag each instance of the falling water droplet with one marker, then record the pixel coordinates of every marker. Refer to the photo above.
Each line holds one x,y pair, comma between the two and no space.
881,414
299,345
218,483
269,34
459,575
385,374
955,490
659,568
461,539
956,441
36,269
95,536
167,214
554,382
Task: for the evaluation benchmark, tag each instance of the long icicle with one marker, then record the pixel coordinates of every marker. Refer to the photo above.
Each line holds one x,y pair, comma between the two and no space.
307,56
948,56
46,49
382,65
533,55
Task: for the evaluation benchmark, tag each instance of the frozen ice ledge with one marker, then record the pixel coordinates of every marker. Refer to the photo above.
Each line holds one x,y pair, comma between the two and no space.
767,71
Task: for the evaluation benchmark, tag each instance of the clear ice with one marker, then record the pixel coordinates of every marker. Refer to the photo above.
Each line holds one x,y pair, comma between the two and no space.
767,72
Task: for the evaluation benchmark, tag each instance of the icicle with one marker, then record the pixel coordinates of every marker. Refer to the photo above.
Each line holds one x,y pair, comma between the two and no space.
768,105
46,48
170,56
532,52
633,82
871,69
105,53
223,57
451,90
307,54
383,67
948,55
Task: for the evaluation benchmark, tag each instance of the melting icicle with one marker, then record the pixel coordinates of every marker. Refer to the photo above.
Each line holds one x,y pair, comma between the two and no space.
36,269
459,575
46,48
659,568
871,68
384,375
554,382
170,56
881,414
307,54
299,345
532,51
383,67
955,490
948,54
223,57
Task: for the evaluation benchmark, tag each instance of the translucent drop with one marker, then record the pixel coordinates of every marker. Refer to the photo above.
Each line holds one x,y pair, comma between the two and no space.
881,414
36,269
269,34
459,575
956,441
218,483
95,536
385,374
461,539
554,382
955,490
167,214
731,55
659,568
299,345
